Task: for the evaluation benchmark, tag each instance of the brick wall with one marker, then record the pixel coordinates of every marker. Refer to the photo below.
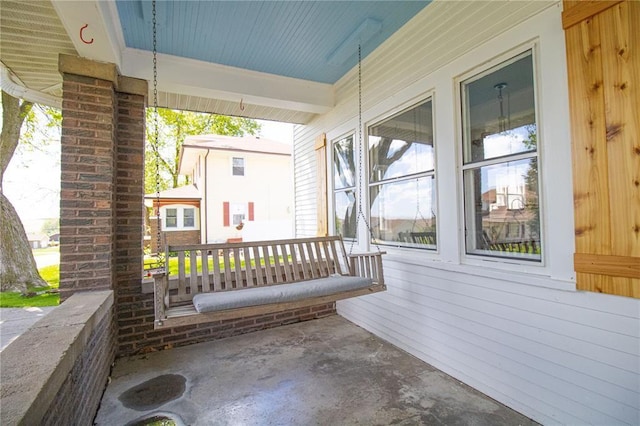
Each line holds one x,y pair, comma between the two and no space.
78,399
182,237
172,237
137,334
87,185
129,206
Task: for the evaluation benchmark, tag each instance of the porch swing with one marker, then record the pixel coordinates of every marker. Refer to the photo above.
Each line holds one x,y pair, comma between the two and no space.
235,280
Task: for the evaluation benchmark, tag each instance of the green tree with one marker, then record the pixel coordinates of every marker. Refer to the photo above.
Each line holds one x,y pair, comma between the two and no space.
173,127
344,158
18,268
50,227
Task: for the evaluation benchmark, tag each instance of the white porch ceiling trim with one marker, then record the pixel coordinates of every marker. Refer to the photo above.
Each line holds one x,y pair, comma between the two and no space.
198,78
182,75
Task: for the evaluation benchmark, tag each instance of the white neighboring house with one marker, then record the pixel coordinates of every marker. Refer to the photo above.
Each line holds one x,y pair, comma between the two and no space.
245,183
38,240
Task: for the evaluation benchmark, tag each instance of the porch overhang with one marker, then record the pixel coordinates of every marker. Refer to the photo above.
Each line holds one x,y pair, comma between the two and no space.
183,82
94,29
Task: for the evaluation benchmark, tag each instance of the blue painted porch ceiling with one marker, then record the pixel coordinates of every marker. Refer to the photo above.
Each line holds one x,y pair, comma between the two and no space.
287,38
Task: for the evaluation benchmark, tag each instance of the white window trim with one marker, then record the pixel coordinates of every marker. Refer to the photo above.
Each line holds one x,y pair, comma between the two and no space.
331,205
244,166
373,117
238,209
180,218
477,259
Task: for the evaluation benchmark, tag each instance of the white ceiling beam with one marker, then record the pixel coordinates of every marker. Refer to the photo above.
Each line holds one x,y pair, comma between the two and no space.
182,75
198,78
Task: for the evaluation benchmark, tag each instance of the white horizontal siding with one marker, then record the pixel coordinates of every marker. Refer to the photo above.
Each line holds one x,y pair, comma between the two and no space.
305,177
549,352
520,334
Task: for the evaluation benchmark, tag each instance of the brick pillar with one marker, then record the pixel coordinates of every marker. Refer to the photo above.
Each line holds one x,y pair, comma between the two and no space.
129,205
102,176
87,190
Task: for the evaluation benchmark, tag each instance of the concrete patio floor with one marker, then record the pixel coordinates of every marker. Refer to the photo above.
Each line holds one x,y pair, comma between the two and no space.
321,372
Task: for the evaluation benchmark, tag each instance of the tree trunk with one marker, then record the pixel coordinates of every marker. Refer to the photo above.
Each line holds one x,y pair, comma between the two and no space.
17,266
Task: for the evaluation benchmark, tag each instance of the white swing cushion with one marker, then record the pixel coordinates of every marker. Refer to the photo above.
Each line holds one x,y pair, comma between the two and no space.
253,296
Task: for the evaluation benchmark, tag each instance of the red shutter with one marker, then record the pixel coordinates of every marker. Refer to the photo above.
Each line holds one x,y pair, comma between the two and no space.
225,213
251,210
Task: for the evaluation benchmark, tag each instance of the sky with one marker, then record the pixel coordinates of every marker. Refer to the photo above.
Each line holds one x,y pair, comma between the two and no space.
32,179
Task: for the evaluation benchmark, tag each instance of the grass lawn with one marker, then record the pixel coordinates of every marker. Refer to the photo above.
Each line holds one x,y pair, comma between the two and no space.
150,262
37,296
42,296
51,249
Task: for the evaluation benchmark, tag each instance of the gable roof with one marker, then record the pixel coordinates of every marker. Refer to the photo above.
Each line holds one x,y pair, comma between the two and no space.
193,145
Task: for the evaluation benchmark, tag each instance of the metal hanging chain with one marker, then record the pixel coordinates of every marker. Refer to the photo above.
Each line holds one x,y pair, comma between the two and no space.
156,131
360,149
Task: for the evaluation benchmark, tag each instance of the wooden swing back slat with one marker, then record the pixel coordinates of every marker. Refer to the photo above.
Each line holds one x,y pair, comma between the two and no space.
239,266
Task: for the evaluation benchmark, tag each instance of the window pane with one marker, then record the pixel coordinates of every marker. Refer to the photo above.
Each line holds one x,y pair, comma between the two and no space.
499,112
501,204
238,166
403,212
345,213
189,218
343,164
172,218
402,145
237,219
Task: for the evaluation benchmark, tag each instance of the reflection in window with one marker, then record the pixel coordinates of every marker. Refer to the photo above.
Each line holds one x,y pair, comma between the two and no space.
344,195
171,220
345,213
402,212
402,179
189,218
502,216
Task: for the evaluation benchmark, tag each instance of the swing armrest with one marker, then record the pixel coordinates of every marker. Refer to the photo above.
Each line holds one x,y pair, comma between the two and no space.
161,295
367,265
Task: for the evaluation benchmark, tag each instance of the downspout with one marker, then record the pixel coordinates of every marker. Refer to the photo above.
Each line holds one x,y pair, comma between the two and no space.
18,90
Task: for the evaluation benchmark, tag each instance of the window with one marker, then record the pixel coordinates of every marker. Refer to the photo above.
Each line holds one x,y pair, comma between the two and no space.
237,166
179,217
238,213
172,218
402,179
237,219
189,218
500,162
344,191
